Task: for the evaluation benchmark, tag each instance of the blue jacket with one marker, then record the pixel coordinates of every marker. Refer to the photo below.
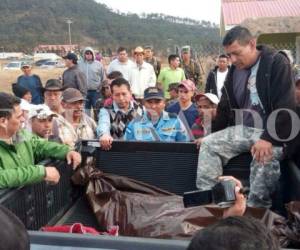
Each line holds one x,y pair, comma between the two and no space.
169,129
34,84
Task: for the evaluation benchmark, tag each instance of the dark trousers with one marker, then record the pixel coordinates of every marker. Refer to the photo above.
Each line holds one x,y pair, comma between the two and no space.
91,99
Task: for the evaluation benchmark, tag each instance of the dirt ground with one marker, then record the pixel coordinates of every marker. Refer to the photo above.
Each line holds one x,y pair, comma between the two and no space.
7,77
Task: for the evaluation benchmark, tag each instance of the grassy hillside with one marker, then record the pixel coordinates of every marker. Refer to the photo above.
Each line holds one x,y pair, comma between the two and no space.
26,23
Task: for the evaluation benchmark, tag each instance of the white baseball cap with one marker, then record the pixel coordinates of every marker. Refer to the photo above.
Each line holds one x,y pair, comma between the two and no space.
40,111
212,97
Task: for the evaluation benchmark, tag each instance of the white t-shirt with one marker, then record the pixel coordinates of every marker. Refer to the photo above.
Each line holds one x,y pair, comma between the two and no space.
221,76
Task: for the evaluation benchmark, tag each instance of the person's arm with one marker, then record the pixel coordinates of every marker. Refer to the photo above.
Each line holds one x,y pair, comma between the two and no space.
152,77
110,67
208,85
198,77
223,113
23,175
103,129
183,77
282,96
103,73
158,67
103,126
161,77
39,87
43,149
81,83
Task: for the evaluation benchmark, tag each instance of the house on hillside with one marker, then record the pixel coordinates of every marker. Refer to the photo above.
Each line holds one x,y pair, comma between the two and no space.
273,22
61,49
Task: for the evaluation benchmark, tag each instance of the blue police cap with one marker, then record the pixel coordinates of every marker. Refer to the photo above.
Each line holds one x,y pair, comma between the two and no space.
153,93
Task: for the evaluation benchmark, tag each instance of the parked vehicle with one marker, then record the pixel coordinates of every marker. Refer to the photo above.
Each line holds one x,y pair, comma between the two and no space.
15,65
49,65
52,64
41,62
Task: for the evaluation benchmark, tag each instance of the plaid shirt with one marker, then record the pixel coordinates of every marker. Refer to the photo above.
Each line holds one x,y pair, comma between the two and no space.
68,134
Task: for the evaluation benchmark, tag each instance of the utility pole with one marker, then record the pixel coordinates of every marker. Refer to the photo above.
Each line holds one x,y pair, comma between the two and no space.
69,21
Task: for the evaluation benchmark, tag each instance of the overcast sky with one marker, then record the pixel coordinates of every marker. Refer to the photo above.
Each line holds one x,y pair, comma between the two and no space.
208,10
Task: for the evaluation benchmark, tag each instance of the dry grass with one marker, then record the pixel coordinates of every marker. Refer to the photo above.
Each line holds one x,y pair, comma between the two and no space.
7,77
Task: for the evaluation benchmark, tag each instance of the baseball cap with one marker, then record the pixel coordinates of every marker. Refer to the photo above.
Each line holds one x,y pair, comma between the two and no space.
53,84
153,93
188,84
186,49
139,50
72,95
71,56
40,111
212,97
25,64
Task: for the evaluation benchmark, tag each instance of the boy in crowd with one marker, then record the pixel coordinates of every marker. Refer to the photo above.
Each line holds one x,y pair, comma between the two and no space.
185,108
170,74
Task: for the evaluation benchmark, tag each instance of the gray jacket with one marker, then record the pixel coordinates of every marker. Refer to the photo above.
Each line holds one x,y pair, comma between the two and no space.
74,78
93,70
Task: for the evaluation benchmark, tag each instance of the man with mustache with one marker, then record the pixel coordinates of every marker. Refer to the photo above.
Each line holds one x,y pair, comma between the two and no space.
76,125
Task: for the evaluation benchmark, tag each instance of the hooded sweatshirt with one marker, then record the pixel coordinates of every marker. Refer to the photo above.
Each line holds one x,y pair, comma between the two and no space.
93,71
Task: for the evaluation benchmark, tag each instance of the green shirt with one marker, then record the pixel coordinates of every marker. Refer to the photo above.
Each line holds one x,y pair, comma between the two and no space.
17,160
168,76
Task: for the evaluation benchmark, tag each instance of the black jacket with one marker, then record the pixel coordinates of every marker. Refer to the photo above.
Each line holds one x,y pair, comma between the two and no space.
211,82
275,88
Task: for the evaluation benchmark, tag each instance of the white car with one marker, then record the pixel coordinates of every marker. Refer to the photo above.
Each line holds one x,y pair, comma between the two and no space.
13,66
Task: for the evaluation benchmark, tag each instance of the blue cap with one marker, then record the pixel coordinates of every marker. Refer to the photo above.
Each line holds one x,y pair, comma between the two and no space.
71,56
153,93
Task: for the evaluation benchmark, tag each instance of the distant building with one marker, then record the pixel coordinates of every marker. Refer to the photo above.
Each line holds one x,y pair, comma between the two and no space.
273,22
57,49
11,55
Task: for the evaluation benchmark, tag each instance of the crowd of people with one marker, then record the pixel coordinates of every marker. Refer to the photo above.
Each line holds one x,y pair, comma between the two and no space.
141,100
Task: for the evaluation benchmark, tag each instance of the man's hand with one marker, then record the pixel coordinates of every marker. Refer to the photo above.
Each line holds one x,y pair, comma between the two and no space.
239,207
74,158
106,142
198,142
52,175
262,151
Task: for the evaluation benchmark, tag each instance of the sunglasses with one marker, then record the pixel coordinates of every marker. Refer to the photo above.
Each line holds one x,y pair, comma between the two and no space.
88,53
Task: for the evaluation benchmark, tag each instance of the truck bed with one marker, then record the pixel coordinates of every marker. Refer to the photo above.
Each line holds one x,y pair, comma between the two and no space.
170,166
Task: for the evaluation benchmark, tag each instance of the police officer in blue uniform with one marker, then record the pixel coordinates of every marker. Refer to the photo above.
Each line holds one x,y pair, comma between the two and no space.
156,124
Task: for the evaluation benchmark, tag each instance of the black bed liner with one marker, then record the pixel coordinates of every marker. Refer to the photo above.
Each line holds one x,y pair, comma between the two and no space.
170,166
